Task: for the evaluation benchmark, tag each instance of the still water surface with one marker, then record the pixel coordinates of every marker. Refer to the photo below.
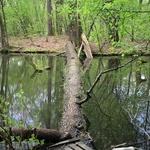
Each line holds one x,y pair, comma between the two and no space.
118,112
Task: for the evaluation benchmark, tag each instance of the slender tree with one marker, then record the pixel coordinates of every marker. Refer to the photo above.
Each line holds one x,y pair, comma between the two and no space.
49,18
59,18
75,29
3,28
140,1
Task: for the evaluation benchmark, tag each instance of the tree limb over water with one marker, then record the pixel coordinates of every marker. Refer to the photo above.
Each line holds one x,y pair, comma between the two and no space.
88,93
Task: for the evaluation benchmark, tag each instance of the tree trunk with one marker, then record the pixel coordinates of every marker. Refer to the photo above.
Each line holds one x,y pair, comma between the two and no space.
49,20
3,28
140,2
75,31
3,40
74,28
48,135
72,120
59,19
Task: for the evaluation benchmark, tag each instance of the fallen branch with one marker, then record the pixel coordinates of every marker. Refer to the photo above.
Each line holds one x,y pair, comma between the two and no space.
65,142
86,64
88,96
62,53
124,148
48,135
73,121
87,48
80,49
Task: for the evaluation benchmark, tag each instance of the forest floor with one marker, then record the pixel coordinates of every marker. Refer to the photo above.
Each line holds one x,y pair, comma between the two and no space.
47,43
57,44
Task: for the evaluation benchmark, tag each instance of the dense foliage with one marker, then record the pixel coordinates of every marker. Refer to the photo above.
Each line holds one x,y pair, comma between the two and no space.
113,20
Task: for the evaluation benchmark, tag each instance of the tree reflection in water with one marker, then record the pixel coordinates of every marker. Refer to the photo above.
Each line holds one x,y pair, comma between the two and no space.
118,110
121,105
33,100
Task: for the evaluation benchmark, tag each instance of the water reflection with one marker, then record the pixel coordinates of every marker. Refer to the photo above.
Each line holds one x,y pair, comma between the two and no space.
33,99
118,110
120,102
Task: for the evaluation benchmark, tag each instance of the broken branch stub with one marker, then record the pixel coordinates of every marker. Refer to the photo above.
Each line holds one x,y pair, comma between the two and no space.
87,48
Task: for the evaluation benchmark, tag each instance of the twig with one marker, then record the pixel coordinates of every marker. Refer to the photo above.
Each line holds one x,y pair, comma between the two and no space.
147,113
141,129
119,145
128,11
102,46
80,49
131,36
6,137
93,21
147,43
60,53
88,96
87,48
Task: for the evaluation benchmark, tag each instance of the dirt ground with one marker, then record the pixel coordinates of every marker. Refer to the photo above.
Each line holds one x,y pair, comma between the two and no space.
57,44
49,43
43,44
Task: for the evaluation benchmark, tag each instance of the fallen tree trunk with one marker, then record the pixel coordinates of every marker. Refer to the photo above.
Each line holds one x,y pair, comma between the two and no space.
72,120
48,135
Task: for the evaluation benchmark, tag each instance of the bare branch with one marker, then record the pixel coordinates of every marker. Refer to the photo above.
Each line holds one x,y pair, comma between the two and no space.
129,11
132,118
88,96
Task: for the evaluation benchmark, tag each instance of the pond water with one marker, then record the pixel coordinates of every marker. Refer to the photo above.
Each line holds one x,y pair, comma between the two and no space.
32,89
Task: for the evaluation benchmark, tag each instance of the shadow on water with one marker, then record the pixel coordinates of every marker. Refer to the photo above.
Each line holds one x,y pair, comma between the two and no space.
118,110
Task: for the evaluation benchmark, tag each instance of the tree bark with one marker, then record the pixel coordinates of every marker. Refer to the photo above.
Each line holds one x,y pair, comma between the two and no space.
72,120
75,28
3,28
48,135
87,47
3,41
49,20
